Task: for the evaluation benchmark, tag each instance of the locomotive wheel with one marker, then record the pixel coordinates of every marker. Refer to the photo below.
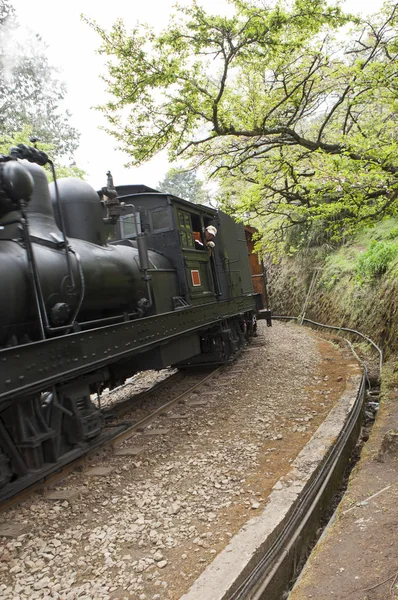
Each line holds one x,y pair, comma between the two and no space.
223,342
41,432
5,469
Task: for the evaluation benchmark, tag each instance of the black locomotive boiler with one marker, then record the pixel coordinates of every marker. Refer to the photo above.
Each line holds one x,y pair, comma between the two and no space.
96,286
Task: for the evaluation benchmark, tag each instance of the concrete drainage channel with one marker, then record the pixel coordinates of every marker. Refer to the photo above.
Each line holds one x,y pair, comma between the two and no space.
261,559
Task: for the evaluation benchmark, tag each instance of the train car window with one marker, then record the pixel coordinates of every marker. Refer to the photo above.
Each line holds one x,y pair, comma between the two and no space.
127,226
196,223
185,227
180,219
197,232
161,219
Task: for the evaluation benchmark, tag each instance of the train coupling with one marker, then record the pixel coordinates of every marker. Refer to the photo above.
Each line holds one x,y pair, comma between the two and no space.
265,313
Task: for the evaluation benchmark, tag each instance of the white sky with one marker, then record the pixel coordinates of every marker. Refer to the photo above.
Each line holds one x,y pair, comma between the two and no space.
72,47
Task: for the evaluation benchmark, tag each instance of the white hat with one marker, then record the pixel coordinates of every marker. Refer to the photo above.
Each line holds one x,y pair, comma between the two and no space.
211,229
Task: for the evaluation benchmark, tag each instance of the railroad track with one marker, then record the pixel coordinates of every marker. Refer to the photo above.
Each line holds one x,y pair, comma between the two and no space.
267,579
117,432
139,425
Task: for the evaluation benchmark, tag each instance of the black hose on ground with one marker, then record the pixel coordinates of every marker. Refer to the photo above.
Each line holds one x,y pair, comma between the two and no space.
365,337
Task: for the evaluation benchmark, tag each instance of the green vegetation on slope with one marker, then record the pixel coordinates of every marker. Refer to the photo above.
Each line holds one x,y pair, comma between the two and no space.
357,286
371,254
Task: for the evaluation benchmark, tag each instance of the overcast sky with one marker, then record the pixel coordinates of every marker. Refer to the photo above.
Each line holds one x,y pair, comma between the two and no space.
72,48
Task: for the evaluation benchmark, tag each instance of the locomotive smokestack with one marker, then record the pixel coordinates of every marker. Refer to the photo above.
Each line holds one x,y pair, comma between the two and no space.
111,201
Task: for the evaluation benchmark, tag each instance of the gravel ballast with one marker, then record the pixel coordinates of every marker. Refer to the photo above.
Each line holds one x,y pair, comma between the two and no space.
149,527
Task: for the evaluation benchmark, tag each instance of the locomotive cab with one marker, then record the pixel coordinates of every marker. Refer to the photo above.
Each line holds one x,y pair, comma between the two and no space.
171,226
176,228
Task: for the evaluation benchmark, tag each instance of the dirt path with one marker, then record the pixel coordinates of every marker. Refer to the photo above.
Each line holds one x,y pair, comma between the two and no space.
149,527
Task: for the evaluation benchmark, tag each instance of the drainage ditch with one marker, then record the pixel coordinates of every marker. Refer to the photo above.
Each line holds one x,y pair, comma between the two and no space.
371,406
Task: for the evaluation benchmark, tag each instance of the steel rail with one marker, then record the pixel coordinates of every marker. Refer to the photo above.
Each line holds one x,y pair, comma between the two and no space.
125,435
121,433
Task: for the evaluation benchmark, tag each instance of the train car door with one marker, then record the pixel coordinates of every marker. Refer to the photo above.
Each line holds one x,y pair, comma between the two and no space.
197,267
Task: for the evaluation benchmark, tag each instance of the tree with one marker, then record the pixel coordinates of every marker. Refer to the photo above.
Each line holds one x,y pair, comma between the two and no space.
31,93
184,184
294,113
23,137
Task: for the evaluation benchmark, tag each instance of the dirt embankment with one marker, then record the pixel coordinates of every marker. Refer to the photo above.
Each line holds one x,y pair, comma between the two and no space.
371,308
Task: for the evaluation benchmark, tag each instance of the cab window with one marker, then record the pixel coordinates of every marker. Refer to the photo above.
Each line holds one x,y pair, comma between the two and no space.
197,233
128,226
161,220
185,228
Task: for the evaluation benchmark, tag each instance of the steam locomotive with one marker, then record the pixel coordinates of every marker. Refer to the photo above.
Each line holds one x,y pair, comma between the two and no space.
96,286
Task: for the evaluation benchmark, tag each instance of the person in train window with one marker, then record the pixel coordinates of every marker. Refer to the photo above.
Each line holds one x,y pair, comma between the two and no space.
210,234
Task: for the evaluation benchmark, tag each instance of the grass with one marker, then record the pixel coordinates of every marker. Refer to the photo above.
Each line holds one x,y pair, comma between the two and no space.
337,266
385,230
372,253
376,260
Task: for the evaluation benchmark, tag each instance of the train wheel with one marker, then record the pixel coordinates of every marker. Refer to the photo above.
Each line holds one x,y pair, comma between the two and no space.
5,469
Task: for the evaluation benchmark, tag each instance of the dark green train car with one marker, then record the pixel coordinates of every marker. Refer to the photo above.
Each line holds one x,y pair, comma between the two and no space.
176,228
